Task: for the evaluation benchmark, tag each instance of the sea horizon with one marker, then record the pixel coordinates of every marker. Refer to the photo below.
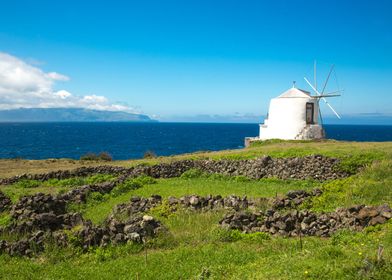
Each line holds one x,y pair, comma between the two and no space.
131,140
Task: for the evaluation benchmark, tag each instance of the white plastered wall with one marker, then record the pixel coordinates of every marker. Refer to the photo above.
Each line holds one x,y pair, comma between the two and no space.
287,117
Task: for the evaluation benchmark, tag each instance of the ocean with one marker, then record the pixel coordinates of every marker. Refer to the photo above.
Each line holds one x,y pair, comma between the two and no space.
131,140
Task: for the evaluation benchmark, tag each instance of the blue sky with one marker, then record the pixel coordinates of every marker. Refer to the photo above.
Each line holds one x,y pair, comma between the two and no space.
188,60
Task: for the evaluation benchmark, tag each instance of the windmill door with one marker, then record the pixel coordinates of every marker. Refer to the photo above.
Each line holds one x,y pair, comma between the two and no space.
309,113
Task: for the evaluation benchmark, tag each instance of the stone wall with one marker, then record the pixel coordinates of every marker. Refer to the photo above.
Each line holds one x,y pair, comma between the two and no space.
307,223
42,218
315,167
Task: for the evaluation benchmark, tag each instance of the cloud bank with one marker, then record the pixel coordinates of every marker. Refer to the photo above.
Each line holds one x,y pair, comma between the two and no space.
23,85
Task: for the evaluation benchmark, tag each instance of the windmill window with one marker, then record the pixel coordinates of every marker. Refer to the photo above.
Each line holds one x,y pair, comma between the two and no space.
309,113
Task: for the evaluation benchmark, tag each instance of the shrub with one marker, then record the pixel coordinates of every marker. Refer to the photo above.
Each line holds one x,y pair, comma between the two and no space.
149,154
96,197
145,180
98,178
127,186
192,173
89,156
102,254
5,220
27,184
335,193
162,210
105,156
70,182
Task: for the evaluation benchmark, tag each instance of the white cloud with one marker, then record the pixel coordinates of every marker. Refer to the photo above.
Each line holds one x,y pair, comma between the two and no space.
25,86
63,94
57,76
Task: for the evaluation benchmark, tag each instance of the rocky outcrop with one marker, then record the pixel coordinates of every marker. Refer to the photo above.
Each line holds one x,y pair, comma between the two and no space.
307,223
315,167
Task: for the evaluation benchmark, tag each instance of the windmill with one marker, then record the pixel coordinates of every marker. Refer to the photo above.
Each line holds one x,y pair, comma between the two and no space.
322,95
295,114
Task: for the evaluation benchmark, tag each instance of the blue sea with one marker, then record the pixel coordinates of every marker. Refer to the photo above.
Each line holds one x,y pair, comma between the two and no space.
132,140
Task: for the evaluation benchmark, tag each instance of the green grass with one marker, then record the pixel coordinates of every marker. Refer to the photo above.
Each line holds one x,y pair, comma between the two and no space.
195,250
194,247
52,186
5,219
214,185
373,186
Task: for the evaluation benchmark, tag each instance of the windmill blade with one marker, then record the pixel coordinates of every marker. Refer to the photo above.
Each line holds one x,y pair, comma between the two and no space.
333,110
326,81
333,92
315,90
325,100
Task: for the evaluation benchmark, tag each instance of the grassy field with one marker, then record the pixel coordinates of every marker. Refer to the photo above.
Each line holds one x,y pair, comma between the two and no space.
348,151
196,248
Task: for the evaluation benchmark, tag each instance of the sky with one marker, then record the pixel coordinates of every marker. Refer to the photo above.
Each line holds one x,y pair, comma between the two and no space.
195,60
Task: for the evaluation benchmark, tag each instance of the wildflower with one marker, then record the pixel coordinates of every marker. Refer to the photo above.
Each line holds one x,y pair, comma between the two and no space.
306,272
360,253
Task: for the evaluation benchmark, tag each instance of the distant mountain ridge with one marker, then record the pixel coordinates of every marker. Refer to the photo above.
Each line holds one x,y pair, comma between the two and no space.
69,115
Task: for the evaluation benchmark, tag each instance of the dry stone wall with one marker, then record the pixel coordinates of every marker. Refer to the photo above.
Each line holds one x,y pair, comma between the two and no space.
42,218
307,223
315,167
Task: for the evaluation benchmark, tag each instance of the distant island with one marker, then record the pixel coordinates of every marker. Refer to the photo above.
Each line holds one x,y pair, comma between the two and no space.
69,115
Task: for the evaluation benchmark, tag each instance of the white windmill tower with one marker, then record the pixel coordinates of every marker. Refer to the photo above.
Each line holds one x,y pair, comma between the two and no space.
295,114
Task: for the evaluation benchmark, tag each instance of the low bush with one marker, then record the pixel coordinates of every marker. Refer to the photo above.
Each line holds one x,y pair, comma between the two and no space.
145,180
162,210
96,197
149,154
125,187
335,193
26,184
103,156
99,178
89,156
5,219
192,173
70,182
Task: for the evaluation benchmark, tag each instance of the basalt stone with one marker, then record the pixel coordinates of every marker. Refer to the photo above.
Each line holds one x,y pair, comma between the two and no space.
137,205
307,223
294,198
367,213
315,167
5,202
65,174
36,204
